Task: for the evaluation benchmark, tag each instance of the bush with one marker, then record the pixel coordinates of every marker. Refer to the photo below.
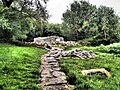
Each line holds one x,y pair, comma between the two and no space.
112,48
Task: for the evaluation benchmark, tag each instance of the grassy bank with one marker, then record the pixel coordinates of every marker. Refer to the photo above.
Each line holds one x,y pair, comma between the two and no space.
19,67
107,57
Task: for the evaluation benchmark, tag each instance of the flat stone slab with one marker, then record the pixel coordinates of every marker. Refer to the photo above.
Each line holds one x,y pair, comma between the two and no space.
95,71
50,60
45,66
46,72
56,68
56,81
54,63
57,87
58,74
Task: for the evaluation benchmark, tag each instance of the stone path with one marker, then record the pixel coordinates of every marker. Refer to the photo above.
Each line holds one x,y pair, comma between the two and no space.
52,78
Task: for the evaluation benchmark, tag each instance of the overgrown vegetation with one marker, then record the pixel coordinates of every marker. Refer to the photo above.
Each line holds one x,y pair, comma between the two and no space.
108,57
19,67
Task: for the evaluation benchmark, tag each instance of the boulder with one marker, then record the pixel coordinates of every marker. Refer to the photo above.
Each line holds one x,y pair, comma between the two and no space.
95,71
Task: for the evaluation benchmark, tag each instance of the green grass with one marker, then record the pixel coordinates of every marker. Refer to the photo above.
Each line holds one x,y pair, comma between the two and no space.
105,59
19,67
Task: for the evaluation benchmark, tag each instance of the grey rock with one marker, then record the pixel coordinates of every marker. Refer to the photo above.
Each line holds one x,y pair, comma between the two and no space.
46,72
58,74
50,59
54,63
57,87
56,81
79,53
56,69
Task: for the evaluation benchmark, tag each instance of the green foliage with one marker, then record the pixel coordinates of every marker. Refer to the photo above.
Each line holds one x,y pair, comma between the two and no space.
84,21
19,67
51,30
45,30
107,25
110,61
20,18
112,48
79,20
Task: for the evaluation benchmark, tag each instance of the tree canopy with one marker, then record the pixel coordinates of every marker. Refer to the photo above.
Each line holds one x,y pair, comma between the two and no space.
82,21
85,21
21,16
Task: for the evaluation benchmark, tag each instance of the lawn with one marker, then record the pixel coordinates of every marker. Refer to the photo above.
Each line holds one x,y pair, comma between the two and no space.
108,57
19,67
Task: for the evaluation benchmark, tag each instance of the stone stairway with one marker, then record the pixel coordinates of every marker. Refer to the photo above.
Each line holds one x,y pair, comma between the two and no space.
52,78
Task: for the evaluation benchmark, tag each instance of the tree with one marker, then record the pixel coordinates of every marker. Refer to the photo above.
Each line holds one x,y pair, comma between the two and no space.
107,25
83,21
46,30
79,19
22,16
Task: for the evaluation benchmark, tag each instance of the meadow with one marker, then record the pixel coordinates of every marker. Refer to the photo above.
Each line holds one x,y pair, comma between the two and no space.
19,67
108,57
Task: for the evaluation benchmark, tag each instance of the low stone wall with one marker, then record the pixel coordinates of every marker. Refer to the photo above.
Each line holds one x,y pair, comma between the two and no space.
49,39
54,40
79,54
67,43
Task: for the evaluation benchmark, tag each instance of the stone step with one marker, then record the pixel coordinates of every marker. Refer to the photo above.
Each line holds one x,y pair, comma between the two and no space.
56,87
51,76
56,81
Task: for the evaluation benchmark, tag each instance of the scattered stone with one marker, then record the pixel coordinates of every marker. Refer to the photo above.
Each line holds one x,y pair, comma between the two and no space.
95,71
79,53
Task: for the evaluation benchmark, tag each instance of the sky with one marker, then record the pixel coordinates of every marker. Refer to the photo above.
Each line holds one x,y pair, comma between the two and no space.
57,7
